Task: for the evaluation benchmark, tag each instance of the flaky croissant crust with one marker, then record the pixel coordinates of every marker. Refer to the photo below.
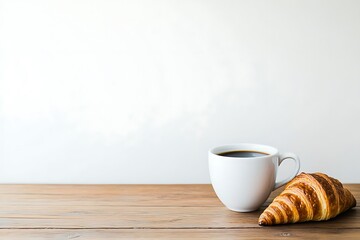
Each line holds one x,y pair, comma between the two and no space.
308,197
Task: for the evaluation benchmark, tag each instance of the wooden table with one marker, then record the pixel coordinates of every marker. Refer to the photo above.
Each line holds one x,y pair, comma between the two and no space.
146,212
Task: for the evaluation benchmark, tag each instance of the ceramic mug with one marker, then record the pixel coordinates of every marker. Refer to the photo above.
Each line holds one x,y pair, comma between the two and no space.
244,183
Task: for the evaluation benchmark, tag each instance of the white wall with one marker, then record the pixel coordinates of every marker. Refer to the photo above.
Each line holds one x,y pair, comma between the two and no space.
107,91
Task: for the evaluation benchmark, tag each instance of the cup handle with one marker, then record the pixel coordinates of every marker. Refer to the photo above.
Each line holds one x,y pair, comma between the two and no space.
283,157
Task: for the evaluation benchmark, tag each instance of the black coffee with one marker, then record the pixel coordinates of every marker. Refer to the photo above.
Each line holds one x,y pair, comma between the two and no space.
243,154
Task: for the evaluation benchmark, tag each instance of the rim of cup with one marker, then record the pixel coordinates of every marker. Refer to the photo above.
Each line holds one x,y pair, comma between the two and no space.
270,151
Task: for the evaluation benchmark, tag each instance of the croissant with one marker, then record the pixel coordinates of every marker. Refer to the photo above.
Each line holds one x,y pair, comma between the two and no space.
308,197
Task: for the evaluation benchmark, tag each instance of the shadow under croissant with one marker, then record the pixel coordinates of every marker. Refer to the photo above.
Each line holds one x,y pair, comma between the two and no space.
345,218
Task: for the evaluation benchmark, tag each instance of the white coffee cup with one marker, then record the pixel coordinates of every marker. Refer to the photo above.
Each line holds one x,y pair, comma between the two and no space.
244,183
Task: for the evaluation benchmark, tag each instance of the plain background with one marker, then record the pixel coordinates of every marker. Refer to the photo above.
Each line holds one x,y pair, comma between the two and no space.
137,91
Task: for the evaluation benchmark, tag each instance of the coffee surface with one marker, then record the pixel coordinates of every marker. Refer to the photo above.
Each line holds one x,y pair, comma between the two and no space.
243,154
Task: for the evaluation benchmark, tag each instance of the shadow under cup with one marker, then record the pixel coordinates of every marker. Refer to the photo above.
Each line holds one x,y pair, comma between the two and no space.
243,183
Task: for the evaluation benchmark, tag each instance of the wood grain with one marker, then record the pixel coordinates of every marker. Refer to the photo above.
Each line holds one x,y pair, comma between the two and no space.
92,234
147,212
145,217
119,195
